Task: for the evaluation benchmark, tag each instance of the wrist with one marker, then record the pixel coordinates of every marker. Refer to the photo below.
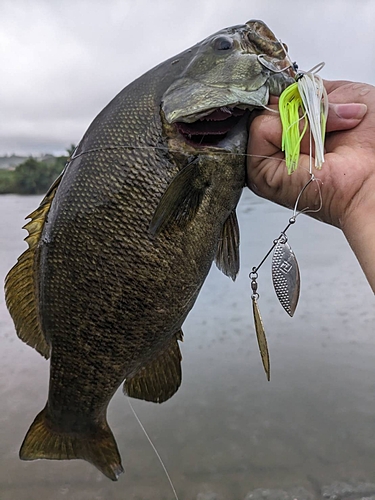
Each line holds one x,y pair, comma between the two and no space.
359,229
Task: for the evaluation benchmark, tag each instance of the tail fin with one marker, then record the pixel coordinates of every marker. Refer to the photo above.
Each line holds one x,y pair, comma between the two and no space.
99,447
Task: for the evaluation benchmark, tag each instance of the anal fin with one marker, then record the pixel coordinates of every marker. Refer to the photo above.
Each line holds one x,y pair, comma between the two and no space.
227,255
20,283
97,447
161,378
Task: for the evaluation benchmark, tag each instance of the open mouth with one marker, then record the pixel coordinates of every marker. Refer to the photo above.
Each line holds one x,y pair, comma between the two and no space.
212,128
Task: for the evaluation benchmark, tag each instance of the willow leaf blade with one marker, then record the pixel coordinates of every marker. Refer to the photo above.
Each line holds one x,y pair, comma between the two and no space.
286,276
262,340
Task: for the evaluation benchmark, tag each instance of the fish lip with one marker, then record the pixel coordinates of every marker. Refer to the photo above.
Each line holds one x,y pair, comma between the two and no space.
188,125
188,101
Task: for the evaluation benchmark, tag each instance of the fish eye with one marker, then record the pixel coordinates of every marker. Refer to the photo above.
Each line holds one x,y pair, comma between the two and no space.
223,43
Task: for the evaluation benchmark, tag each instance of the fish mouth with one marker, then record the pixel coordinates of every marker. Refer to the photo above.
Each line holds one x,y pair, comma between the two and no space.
214,127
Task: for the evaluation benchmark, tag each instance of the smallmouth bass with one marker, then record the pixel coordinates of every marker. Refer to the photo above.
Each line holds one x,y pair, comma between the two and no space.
121,245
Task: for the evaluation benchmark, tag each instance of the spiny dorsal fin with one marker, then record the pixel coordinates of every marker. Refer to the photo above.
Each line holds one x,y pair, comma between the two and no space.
20,283
161,378
181,200
227,255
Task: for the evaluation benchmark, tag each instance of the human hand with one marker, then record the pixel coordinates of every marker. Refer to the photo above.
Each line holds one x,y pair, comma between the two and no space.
349,159
347,178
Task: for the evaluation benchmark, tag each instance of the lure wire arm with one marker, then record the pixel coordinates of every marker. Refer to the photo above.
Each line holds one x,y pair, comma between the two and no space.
292,220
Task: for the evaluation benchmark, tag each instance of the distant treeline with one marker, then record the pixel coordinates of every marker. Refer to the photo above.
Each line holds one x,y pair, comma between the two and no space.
32,176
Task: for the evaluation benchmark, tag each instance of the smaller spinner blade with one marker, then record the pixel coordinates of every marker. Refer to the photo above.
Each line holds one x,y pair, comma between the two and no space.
285,276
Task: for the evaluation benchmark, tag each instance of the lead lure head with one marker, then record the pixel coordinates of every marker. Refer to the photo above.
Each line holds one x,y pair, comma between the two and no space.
285,275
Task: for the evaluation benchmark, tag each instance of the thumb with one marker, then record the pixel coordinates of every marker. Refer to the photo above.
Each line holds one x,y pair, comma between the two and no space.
345,116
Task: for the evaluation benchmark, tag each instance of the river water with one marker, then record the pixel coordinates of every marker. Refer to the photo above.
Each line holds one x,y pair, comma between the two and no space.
227,429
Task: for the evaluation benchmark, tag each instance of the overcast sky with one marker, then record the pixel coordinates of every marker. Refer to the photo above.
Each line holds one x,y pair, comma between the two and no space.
62,61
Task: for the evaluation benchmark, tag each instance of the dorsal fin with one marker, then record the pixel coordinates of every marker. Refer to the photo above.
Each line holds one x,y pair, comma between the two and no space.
20,282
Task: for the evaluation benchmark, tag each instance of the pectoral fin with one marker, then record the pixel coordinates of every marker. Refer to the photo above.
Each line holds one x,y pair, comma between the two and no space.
161,378
20,283
227,255
181,200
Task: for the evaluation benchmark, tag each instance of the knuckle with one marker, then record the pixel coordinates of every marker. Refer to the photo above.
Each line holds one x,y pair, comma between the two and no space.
362,89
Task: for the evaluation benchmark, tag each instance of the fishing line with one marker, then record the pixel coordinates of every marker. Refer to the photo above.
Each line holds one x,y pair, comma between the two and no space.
203,153
154,448
271,109
166,148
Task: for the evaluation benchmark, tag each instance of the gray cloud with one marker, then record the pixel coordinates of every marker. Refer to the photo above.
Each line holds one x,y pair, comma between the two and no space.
63,61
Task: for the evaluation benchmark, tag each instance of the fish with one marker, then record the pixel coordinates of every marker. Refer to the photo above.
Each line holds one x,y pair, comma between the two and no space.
121,244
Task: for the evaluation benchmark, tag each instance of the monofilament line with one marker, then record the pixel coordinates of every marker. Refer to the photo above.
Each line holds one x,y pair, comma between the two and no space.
155,450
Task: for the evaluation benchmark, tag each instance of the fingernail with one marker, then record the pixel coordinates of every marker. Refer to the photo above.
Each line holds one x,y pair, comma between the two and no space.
350,111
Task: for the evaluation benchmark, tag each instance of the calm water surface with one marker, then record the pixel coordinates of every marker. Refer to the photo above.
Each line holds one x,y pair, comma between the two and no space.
227,429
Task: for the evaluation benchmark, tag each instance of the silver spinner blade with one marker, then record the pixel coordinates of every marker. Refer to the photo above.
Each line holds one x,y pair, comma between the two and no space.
285,276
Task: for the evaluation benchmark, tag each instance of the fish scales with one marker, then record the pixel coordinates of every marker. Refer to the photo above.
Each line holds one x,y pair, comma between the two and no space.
121,245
